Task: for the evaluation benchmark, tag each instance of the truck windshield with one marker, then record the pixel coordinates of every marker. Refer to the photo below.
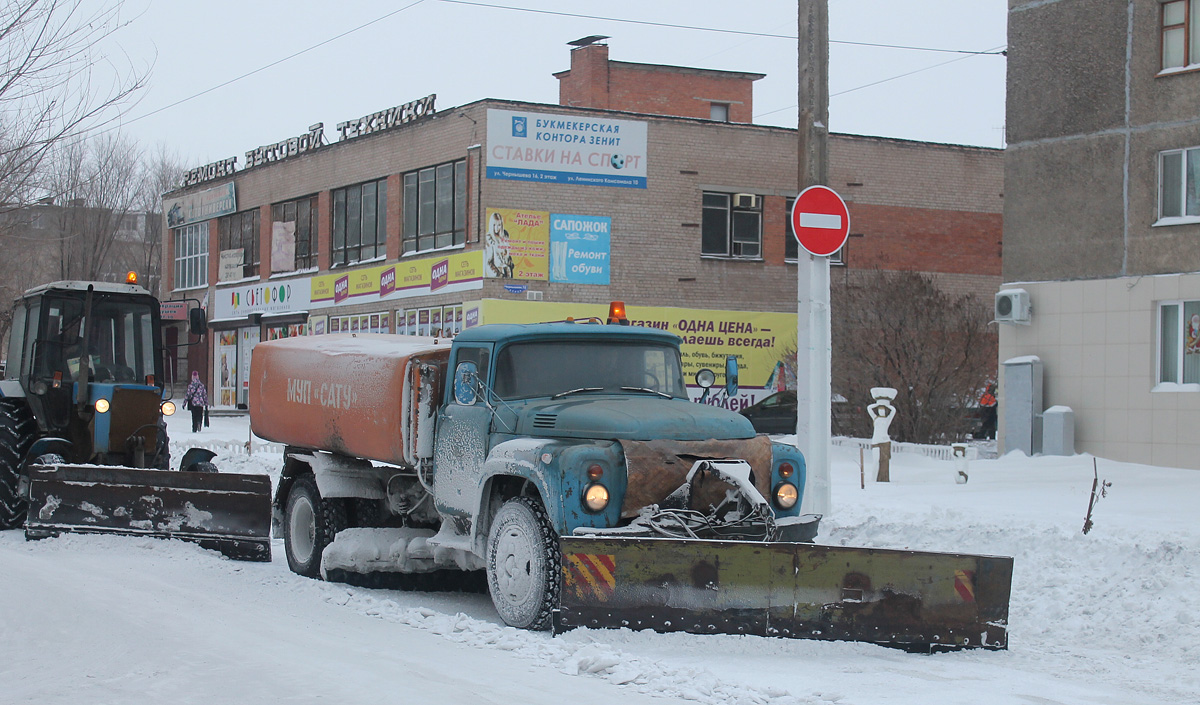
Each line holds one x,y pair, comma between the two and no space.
120,345
542,369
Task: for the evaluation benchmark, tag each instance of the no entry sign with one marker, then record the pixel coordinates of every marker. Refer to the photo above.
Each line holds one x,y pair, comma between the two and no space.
820,220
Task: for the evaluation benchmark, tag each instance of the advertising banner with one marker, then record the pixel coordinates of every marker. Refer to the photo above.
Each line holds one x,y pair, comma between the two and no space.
283,246
763,343
230,268
451,272
286,296
517,244
579,248
202,205
565,149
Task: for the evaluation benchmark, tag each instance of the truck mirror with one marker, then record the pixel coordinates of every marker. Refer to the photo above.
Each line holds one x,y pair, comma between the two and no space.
731,376
197,322
466,382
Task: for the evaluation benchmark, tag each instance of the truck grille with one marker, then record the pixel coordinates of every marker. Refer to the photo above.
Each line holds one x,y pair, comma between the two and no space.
544,420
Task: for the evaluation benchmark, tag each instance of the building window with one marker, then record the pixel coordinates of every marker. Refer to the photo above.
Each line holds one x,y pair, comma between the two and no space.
359,222
791,246
718,112
731,225
240,232
1179,184
303,213
438,321
435,207
1179,342
1180,33
191,256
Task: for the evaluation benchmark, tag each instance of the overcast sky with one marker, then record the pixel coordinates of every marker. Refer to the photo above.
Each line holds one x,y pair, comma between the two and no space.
466,52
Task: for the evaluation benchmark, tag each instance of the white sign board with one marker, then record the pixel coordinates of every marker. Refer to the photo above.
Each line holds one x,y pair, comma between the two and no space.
565,149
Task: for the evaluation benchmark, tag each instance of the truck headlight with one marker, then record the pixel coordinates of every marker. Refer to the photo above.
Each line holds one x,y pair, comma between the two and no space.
786,495
168,408
595,497
101,406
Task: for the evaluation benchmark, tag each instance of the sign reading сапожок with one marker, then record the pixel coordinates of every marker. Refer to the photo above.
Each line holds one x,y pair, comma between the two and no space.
565,149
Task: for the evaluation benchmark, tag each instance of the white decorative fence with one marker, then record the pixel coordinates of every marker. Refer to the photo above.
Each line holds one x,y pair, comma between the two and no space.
929,451
235,448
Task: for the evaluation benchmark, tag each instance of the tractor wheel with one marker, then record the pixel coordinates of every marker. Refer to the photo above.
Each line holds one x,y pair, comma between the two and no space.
17,433
309,525
523,564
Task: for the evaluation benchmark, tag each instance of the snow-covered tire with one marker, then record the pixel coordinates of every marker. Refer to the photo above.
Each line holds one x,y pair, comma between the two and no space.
523,564
17,433
309,525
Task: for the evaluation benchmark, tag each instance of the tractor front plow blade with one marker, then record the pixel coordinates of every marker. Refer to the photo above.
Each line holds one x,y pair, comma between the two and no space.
909,599
227,512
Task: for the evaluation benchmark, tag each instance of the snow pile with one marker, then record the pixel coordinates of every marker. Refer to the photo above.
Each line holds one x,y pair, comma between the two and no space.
1108,617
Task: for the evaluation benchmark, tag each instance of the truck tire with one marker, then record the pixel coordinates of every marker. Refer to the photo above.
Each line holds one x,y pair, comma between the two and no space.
523,564
17,433
309,525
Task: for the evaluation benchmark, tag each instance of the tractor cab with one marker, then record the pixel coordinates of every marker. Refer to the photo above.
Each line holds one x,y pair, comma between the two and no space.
88,356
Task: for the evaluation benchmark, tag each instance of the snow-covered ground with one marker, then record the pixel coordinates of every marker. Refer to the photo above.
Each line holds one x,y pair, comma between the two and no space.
1110,617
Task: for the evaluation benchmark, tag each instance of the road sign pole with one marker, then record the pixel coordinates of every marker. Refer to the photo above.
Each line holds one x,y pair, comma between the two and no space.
814,386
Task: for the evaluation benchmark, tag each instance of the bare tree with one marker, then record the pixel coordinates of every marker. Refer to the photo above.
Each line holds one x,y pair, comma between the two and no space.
54,84
162,171
898,329
100,184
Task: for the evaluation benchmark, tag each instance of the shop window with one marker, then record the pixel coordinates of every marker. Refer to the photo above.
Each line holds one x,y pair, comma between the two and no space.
1179,186
731,225
191,256
1180,34
436,321
359,222
1179,343
435,207
303,213
377,322
240,232
288,331
791,247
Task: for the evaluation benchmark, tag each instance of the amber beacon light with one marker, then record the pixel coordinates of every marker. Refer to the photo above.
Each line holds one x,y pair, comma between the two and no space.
616,313
131,277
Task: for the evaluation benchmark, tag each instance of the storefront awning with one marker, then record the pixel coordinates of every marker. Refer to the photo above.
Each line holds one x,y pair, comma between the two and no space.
285,318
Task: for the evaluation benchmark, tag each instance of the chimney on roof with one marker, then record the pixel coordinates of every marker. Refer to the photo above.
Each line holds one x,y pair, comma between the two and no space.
585,84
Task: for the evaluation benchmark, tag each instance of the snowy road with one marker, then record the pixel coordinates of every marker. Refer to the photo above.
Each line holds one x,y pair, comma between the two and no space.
1111,617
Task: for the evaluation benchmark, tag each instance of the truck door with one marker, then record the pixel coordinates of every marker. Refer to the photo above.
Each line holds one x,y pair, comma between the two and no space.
462,441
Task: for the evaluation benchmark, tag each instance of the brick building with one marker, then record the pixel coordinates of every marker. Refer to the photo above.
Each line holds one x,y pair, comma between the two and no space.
1101,221
416,220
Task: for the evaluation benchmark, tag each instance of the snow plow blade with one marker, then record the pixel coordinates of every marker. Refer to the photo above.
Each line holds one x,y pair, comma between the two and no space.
909,599
225,512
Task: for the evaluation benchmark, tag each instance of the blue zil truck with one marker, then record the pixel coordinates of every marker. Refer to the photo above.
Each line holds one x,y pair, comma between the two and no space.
564,463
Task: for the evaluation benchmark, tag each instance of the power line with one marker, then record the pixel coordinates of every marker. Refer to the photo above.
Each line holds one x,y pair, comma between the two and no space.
719,30
885,80
263,68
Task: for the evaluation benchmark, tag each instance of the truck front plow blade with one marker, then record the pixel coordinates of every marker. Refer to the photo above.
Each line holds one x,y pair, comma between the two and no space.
226,512
910,599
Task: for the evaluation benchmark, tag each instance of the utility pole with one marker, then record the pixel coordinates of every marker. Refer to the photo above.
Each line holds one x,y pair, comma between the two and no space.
814,346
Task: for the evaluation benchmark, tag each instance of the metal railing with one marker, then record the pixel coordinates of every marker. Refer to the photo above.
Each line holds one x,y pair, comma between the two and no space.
929,451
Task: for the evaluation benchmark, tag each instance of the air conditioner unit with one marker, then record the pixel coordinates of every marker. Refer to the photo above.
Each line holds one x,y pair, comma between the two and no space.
533,296
745,200
1013,306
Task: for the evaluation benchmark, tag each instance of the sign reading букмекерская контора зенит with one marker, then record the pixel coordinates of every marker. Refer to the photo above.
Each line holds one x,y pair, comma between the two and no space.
565,149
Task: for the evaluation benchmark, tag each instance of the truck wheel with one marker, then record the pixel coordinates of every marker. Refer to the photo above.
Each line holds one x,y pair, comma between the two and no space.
17,430
523,564
309,525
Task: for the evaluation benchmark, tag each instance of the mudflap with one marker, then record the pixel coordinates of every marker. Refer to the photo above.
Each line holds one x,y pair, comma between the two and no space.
915,600
226,512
